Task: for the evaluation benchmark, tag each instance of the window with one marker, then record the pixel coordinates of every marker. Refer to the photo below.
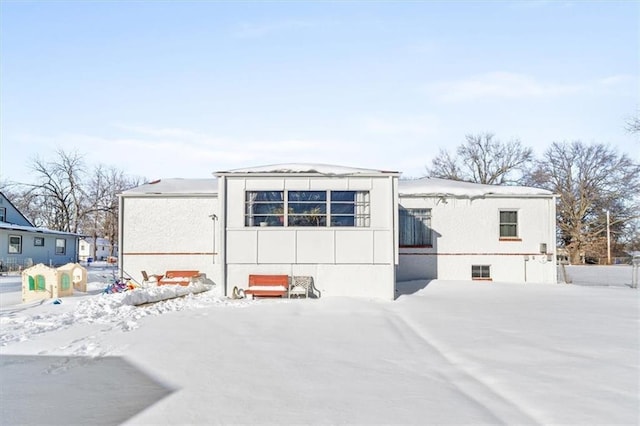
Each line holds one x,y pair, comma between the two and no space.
61,246
38,241
264,208
307,208
415,227
65,282
481,272
3,214
37,283
509,224
15,244
350,208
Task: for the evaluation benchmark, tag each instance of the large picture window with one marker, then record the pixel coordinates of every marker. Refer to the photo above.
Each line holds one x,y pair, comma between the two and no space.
15,244
61,246
508,224
415,227
307,208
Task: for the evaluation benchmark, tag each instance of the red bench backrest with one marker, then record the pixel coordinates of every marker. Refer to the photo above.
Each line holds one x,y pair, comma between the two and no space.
269,280
186,274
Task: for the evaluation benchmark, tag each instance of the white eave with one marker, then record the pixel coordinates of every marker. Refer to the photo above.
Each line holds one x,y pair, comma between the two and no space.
435,187
301,169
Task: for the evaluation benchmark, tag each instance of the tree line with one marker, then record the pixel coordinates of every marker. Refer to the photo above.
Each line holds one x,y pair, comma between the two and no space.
598,205
68,196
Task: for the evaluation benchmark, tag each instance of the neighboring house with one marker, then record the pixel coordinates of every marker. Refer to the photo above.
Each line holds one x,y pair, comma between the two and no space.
102,246
356,231
22,244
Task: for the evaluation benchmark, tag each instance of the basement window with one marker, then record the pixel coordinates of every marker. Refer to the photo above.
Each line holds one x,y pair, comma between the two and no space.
481,272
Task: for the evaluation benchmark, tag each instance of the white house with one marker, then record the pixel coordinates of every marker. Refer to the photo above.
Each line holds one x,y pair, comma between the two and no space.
98,249
355,231
23,245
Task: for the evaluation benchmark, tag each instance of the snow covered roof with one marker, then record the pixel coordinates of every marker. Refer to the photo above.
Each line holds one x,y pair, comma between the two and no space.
176,186
13,227
416,187
452,188
307,168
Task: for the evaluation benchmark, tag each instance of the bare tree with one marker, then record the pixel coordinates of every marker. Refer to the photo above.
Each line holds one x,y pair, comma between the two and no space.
590,180
102,210
57,199
483,159
445,166
633,125
65,197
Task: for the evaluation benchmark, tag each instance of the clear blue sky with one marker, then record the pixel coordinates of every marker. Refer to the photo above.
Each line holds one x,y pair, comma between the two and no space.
182,89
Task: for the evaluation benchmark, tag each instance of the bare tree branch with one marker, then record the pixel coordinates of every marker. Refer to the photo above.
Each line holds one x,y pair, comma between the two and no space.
484,159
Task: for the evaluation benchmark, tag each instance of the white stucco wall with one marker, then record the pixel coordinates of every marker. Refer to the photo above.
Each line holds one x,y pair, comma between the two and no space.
466,232
354,261
160,233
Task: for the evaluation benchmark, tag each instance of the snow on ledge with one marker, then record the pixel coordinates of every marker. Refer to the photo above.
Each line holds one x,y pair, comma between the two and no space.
445,187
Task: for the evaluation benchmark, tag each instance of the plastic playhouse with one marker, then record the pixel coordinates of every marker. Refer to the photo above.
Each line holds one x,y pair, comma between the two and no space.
42,282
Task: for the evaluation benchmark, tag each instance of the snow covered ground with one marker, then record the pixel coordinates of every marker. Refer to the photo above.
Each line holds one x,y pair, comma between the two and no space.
442,353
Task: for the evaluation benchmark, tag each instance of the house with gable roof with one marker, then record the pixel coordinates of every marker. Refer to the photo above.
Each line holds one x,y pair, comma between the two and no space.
22,244
355,231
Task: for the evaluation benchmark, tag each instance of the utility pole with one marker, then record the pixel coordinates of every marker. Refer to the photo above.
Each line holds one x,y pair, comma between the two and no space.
608,240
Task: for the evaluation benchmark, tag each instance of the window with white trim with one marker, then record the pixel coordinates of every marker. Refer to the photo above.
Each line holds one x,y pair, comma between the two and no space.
508,224
61,246
15,244
481,272
38,241
3,214
307,208
415,227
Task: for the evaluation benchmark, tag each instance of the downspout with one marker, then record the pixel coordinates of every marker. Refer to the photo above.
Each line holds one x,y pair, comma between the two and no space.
222,225
120,235
394,216
552,237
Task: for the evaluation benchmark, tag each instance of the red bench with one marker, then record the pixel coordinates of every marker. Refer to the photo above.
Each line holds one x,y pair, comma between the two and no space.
179,277
268,285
